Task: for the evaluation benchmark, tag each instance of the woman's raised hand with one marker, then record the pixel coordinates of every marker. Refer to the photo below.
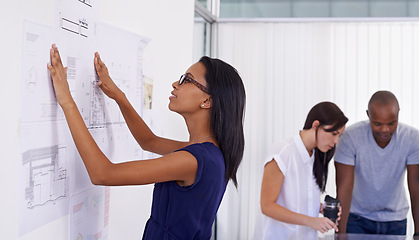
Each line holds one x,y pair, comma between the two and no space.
59,78
106,83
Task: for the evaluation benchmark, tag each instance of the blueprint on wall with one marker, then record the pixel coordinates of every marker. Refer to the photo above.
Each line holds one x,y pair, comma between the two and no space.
45,141
89,214
52,175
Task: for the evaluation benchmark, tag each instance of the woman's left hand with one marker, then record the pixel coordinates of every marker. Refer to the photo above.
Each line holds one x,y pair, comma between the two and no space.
339,213
59,78
106,83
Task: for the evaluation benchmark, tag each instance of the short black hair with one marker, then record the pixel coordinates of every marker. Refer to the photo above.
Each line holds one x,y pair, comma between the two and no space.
383,98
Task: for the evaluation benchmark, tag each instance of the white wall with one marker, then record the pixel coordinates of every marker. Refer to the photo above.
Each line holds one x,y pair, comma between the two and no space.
284,71
168,23
288,67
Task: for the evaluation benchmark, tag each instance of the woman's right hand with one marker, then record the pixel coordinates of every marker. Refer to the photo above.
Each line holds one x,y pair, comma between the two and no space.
322,224
106,83
59,78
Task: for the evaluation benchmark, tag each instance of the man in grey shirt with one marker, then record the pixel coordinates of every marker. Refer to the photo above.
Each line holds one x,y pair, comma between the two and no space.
371,161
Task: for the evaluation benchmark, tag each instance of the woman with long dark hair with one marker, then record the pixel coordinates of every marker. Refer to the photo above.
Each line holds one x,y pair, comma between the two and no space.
295,174
190,177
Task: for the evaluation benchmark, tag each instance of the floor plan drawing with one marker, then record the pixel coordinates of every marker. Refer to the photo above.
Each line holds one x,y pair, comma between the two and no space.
51,172
47,175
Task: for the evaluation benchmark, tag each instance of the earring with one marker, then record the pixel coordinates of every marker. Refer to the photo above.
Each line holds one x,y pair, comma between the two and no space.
203,105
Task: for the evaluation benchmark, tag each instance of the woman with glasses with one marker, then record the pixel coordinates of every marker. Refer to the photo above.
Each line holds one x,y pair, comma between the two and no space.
191,176
295,174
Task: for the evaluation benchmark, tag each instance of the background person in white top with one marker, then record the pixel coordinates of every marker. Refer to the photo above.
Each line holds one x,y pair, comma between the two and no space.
294,176
371,161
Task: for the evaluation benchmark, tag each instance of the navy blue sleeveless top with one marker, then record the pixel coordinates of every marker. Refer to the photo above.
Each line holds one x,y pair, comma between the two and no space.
189,212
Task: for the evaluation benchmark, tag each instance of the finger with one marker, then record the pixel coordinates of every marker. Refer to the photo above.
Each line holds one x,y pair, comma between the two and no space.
51,55
102,86
329,224
50,68
56,53
335,227
96,59
55,58
100,62
99,65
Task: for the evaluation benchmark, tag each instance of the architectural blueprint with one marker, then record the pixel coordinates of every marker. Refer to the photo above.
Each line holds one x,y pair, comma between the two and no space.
45,141
53,180
89,217
47,175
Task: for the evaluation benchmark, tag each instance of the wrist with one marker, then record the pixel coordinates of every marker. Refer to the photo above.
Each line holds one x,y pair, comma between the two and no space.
309,221
120,97
122,100
69,105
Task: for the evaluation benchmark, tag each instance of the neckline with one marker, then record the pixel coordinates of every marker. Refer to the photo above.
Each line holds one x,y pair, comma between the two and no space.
205,143
197,141
303,150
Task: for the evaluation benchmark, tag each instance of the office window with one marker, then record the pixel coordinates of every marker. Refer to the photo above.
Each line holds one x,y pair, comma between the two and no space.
202,38
206,3
205,21
318,8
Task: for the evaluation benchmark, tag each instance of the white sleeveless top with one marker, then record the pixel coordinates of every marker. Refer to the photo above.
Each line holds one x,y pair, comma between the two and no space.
299,192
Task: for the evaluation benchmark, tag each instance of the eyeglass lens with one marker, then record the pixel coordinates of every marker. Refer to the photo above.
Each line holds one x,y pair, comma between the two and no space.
182,79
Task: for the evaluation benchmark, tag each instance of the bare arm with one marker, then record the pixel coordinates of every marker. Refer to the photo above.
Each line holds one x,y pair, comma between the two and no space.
271,187
344,187
413,184
179,166
139,129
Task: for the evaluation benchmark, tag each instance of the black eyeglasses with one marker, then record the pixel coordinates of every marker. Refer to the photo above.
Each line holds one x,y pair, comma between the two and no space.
186,79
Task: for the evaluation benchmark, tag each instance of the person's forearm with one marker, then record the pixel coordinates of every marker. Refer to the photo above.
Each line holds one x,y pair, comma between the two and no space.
95,161
414,199
142,133
345,202
139,129
415,213
344,195
413,185
282,214
344,186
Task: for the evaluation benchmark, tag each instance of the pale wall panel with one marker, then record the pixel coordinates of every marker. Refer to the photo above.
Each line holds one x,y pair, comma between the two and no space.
289,67
285,72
